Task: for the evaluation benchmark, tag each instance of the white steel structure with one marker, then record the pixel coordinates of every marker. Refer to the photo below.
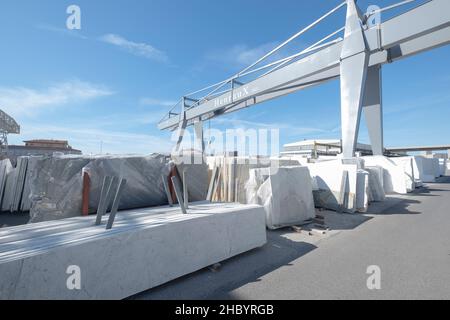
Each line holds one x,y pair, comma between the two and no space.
7,126
356,58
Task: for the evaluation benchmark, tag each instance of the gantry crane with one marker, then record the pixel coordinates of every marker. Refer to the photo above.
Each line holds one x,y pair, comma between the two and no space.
356,59
7,126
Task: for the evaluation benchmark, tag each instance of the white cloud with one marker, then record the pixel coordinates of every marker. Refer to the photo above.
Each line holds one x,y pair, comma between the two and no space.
243,55
139,49
26,101
157,102
62,31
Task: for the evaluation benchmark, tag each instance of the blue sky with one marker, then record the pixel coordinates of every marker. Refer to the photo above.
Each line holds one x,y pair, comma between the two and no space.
111,82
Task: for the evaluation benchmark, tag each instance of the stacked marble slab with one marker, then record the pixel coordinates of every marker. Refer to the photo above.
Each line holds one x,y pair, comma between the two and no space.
14,184
234,173
145,248
5,170
286,194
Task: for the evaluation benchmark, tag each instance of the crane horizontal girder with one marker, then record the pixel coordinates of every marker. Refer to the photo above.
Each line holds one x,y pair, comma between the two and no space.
419,29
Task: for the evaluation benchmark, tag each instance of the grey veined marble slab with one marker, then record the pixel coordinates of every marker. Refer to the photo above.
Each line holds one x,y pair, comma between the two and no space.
56,183
144,186
136,255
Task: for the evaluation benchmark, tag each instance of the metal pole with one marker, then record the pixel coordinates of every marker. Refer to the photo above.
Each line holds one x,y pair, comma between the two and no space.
178,193
115,207
167,190
101,210
185,190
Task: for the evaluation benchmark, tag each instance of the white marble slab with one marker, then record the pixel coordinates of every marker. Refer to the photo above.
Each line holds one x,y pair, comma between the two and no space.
136,255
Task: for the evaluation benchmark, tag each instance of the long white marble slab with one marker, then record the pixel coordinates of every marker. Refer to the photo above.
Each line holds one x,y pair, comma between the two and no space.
139,253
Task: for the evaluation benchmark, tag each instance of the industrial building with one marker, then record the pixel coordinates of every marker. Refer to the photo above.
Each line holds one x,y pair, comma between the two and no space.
40,147
316,148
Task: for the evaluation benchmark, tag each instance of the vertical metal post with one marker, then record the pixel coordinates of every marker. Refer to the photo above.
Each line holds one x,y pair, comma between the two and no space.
198,129
185,190
167,190
102,204
115,207
212,184
179,195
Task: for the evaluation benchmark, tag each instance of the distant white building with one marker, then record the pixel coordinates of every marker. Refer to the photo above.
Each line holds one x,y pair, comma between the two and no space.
315,148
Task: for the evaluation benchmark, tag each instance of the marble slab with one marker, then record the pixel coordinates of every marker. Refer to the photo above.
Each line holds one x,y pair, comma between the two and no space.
286,194
136,255
5,169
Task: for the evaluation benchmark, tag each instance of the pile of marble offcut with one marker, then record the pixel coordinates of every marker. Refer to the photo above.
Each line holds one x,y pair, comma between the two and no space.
285,193
145,248
232,174
340,185
13,184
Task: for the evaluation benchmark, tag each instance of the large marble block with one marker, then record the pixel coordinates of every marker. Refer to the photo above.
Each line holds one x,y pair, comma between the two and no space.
144,187
56,183
407,163
136,255
442,167
56,186
426,168
197,182
327,182
395,179
376,190
286,194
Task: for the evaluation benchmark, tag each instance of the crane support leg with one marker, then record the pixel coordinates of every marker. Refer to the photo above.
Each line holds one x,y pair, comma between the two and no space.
354,64
373,109
200,143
